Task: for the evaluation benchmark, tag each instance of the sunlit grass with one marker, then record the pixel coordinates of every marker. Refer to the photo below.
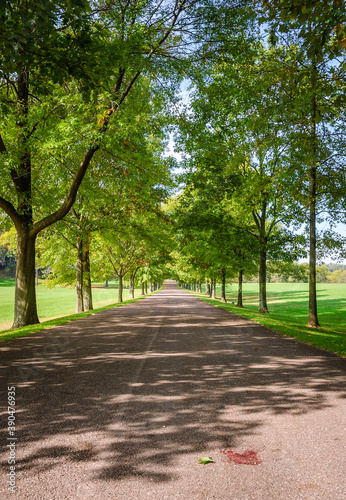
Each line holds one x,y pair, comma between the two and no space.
27,330
55,302
288,307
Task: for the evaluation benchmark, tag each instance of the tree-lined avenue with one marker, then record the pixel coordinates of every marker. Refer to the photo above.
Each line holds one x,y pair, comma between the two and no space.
123,403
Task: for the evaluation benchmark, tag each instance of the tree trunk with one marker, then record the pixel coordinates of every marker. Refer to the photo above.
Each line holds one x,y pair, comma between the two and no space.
120,289
240,288
223,286
87,292
132,286
25,309
213,288
313,318
199,286
79,276
263,308
150,287
25,312
143,288
146,288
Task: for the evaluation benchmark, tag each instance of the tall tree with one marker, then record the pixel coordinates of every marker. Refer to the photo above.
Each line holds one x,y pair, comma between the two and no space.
55,57
313,82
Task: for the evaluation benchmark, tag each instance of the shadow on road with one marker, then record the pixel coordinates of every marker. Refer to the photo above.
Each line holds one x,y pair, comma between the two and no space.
134,387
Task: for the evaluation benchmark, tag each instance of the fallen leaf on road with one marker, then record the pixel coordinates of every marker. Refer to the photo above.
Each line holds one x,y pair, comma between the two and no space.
206,460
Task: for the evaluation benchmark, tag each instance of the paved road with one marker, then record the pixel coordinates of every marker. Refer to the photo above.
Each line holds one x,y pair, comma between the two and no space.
123,403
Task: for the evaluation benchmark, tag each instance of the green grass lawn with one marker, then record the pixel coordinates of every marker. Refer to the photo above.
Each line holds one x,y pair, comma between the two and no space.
288,307
55,302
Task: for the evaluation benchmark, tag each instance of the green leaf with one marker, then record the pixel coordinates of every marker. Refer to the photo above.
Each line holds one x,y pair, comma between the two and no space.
206,460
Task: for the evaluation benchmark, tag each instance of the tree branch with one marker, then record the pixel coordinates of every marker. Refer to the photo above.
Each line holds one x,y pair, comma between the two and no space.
11,211
71,196
257,220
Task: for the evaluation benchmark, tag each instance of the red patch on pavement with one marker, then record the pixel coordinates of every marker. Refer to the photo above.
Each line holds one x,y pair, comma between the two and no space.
249,457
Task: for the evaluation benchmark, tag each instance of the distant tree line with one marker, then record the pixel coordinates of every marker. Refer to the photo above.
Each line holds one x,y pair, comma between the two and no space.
299,273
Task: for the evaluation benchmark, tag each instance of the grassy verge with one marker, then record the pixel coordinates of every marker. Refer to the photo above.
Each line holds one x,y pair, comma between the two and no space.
330,337
55,302
27,330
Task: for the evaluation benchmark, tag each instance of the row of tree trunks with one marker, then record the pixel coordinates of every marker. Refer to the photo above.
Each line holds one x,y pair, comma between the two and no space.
210,287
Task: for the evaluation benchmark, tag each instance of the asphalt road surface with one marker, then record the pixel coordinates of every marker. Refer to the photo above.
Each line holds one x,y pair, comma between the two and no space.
122,404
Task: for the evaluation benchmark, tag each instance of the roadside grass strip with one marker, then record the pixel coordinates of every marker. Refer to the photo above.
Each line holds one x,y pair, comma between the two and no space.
327,339
27,330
